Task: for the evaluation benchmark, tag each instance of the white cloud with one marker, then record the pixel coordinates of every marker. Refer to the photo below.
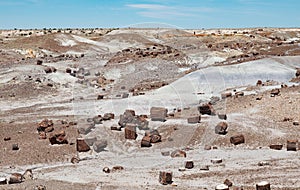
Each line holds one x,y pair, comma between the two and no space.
148,6
162,11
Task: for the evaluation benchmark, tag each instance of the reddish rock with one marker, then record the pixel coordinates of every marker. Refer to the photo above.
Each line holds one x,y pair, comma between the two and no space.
237,139
58,138
189,164
276,146
226,95
221,128
207,109
82,146
130,131
228,183
291,145
165,178
15,178
43,125
146,141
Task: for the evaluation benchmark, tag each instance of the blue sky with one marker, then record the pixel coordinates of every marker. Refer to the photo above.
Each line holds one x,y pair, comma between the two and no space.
149,13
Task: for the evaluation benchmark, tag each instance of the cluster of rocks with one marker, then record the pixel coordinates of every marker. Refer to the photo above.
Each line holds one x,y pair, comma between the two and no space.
154,51
17,178
146,86
46,127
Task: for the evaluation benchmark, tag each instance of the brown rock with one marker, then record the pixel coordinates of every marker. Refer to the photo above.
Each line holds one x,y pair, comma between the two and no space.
146,141
108,116
43,125
226,95
291,145
7,139
15,178
74,160
216,161
276,146
237,139
40,187
116,128
222,116
158,114
221,128
165,178
298,73
239,94
15,147
58,138
206,109
207,147
42,135
117,168
130,131
178,153
259,83
81,145
275,92
228,183
194,119
39,62
189,164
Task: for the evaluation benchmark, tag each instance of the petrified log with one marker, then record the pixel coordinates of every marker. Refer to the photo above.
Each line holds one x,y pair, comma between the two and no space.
130,131
189,164
194,119
116,128
207,109
165,178
216,161
108,116
58,138
15,178
276,146
146,141
44,124
117,168
226,95
74,160
222,116
222,187
259,83
15,147
263,186
158,114
81,145
228,183
100,145
221,128
275,92
237,139
178,153
291,145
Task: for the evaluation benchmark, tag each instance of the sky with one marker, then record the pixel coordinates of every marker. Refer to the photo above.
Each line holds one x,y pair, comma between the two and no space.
187,14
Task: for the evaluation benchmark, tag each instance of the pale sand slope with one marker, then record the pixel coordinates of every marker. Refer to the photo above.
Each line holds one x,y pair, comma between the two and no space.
210,81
